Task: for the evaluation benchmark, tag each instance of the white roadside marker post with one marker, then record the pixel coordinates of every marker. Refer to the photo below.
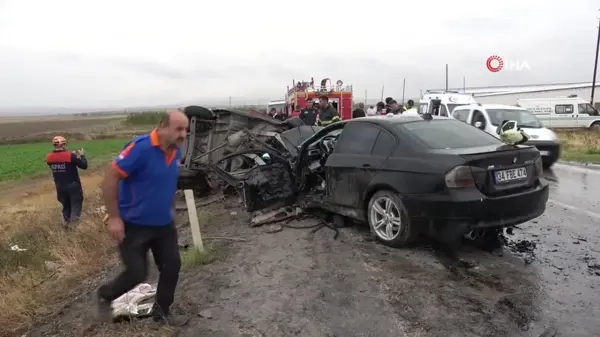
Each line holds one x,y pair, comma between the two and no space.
193,216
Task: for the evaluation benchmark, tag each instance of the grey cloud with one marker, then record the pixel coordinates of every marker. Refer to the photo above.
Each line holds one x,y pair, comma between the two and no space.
557,40
162,70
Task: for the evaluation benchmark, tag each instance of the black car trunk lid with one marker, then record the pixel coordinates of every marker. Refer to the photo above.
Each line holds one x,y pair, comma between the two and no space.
502,170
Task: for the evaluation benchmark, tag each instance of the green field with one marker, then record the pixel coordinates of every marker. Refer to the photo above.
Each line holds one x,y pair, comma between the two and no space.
26,160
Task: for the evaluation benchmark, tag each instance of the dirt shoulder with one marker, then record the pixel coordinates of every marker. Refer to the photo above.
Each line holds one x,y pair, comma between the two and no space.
292,282
41,261
298,283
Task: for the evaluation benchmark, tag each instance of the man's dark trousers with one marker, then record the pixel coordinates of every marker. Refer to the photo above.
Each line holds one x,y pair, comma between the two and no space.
162,241
71,198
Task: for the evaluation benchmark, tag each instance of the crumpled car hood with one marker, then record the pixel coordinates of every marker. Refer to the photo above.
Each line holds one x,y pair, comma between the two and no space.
293,138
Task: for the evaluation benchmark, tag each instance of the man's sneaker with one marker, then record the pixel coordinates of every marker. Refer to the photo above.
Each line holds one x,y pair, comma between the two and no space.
170,320
104,309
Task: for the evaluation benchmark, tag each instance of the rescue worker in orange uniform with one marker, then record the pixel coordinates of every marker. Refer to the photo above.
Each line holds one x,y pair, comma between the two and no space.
64,166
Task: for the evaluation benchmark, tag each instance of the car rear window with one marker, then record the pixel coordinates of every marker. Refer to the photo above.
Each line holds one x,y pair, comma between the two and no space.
449,134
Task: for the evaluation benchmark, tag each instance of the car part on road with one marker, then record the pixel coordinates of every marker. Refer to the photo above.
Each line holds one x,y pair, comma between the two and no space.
278,215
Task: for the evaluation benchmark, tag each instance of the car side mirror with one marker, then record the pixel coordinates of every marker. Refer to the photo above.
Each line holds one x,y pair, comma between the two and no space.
478,124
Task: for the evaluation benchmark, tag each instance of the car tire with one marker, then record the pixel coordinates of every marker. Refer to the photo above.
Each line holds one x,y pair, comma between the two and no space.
402,232
595,126
198,111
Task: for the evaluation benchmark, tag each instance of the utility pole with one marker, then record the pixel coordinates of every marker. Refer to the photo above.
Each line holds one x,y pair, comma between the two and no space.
365,97
382,88
446,76
403,87
595,64
464,84
229,101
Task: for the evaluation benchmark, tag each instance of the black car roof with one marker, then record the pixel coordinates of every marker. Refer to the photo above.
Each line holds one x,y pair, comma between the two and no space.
397,119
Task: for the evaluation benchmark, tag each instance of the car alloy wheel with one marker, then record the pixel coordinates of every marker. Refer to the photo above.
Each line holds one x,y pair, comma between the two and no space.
386,218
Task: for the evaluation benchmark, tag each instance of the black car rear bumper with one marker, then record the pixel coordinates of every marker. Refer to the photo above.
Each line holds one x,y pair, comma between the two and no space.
470,209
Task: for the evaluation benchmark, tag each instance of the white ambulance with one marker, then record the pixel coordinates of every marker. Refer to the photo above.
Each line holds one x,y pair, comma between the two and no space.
448,101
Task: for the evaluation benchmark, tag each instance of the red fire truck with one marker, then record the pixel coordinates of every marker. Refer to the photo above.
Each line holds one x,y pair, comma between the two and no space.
340,96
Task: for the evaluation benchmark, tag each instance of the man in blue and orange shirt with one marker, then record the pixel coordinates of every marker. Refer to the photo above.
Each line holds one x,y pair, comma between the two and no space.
139,192
64,166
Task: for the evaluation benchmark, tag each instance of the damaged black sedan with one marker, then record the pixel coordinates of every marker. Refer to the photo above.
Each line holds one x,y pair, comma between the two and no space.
404,176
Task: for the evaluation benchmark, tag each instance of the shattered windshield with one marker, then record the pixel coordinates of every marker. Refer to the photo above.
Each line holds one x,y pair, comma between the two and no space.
524,118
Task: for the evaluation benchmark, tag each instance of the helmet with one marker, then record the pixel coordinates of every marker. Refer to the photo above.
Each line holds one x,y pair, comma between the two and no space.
59,141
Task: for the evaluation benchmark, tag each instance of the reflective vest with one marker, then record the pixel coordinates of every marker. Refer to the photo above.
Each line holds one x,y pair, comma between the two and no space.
327,122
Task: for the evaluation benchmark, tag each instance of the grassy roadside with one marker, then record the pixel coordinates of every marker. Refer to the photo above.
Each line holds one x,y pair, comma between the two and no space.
40,262
580,146
25,161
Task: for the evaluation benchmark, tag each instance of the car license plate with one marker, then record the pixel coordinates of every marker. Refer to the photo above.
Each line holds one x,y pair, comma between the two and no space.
510,175
544,153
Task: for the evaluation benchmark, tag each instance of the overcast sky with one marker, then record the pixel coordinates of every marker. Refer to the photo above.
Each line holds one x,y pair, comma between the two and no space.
109,53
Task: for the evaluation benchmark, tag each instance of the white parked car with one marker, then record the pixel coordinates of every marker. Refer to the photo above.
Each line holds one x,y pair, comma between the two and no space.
487,117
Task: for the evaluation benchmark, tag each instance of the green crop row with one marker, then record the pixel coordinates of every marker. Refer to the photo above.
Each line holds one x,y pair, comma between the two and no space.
26,160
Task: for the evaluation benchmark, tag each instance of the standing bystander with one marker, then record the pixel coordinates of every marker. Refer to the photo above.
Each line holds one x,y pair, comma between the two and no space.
139,191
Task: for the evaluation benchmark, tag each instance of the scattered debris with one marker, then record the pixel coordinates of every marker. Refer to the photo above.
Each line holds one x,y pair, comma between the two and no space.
467,264
271,229
205,314
135,302
594,269
273,216
523,247
16,248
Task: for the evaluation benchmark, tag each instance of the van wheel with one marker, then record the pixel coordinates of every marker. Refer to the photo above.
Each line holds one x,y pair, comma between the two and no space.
389,221
595,126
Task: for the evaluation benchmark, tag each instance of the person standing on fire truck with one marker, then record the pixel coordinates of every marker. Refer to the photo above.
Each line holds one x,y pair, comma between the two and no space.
309,114
64,165
327,114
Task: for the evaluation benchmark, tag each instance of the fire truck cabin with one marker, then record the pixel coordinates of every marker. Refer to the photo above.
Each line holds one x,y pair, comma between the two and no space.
340,96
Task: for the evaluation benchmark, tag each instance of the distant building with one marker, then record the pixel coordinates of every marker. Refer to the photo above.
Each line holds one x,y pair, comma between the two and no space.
510,94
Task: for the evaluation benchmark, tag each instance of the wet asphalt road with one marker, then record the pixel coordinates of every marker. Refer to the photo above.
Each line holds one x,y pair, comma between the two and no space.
567,256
